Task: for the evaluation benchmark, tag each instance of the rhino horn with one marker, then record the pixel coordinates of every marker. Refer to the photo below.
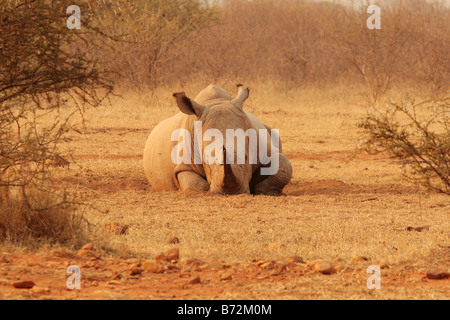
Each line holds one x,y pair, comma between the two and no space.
230,182
242,95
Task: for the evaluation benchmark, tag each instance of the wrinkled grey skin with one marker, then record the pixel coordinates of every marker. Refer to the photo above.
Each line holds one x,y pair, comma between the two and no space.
216,109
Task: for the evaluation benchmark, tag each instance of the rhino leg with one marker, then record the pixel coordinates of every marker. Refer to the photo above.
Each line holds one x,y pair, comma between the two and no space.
272,185
193,181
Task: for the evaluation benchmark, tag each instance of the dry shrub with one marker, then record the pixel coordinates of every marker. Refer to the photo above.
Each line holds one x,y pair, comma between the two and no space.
417,134
44,222
44,80
290,43
142,34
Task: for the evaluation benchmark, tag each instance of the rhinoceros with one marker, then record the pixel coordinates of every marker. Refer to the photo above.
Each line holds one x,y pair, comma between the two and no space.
215,110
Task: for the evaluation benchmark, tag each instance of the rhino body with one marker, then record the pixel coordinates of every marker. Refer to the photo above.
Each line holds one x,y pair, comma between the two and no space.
215,108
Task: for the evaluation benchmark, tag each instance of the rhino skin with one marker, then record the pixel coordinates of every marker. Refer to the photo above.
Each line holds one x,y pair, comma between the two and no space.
216,109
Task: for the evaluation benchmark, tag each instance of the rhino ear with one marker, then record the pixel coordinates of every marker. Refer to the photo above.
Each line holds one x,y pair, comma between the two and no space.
188,106
241,96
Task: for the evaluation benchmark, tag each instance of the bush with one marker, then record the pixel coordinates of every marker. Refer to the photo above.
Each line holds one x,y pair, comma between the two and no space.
44,80
418,134
50,224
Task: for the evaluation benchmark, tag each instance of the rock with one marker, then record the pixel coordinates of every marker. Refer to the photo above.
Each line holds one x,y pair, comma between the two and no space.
39,290
437,274
226,277
314,262
23,285
172,254
173,240
295,259
268,265
194,280
135,271
193,262
87,250
152,267
359,259
325,268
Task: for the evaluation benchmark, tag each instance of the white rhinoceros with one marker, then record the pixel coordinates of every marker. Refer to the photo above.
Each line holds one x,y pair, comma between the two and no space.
207,122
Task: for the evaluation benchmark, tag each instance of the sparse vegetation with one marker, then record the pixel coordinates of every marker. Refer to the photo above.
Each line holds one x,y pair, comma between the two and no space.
41,75
52,223
311,66
419,135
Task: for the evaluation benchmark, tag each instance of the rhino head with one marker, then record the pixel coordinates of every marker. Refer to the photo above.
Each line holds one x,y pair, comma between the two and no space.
224,175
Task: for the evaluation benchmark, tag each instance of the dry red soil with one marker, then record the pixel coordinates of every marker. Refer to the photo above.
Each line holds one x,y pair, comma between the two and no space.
111,278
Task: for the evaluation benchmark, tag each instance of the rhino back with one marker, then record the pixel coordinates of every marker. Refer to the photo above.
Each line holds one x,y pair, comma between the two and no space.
158,165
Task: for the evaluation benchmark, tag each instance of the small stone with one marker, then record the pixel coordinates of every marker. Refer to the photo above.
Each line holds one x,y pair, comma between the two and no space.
226,277
268,265
172,254
23,285
437,274
173,240
359,259
194,280
135,271
314,262
152,267
193,262
295,259
39,290
325,268
87,250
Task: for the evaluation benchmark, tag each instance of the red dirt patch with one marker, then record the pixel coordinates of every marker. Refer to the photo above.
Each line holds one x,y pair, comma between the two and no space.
130,279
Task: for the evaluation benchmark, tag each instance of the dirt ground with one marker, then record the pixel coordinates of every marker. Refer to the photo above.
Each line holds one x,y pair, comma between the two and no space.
343,211
266,279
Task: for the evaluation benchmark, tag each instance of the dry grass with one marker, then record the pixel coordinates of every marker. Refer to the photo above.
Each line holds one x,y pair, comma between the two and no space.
340,203
33,228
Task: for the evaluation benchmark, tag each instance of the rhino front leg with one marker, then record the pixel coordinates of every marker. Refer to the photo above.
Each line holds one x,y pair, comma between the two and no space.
274,184
189,180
